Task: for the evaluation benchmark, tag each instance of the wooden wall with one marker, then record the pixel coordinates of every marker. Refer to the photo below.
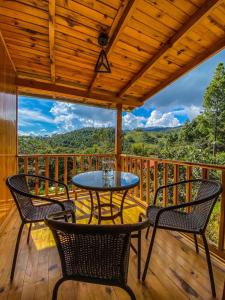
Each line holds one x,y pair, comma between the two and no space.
8,128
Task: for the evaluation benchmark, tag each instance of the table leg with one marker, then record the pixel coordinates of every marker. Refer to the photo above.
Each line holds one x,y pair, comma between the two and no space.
99,208
111,207
121,206
92,207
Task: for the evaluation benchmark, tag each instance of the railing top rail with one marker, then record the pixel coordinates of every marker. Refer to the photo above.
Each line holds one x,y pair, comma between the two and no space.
177,162
65,155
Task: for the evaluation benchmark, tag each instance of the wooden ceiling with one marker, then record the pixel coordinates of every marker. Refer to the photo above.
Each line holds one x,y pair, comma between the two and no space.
53,45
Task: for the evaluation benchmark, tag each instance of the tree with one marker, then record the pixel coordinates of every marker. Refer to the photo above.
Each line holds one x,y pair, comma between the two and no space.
214,106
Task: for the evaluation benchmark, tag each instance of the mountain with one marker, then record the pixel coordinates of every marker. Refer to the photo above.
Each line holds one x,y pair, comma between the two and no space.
90,140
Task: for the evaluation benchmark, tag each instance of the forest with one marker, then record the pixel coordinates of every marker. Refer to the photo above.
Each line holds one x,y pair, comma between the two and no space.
201,140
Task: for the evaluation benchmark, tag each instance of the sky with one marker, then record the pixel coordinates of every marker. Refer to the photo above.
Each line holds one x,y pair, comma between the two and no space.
171,107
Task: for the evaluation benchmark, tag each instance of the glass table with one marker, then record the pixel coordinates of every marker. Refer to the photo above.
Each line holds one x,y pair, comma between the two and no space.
99,181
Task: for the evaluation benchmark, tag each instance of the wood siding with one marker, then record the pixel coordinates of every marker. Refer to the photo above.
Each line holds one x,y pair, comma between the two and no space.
8,127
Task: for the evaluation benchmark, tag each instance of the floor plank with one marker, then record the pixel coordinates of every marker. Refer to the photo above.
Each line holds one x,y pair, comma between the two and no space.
175,271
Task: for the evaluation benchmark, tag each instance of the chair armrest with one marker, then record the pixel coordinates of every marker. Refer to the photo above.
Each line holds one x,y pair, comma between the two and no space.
171,185
55,181
60,214
175,207
50,200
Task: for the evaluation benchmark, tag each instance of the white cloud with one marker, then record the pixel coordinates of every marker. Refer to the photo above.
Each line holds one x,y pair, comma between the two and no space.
156,119
159,119
130,121
27,116
191,111
69,116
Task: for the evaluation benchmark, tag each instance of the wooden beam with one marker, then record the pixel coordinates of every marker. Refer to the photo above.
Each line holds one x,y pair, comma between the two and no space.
202,12
7,51
66,91
118,137
114,36
51,29
199,59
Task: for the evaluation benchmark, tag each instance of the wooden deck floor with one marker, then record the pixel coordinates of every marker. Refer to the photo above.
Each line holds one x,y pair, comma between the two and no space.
176,271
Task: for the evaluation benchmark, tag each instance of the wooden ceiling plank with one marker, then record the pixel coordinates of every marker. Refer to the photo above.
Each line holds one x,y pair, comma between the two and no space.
193,20
54,88
51,28
200,58
122,22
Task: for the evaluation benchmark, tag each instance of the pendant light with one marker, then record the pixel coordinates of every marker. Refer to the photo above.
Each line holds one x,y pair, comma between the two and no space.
102,65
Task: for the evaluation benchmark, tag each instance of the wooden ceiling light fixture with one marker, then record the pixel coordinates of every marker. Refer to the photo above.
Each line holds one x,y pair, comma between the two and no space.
102,65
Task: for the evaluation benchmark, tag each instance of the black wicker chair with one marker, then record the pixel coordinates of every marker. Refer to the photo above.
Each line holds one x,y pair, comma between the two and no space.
190,217
30,212
94,253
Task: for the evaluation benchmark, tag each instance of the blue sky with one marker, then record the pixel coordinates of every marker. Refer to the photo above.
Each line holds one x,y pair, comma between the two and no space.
177,103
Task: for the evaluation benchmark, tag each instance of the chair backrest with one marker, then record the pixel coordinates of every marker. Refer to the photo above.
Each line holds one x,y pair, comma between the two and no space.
94,253
21,194
208,192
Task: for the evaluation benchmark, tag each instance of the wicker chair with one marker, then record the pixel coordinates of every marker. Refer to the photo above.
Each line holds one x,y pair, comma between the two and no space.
30,212
94,253
190,217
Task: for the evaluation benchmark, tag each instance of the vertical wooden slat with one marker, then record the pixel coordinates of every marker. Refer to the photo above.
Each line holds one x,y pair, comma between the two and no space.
46,175
222,215
122,163
56,175
82,164
155,176
148,182
26,165
141,179
188,185
126,164
136,172
205,173
65,163
175,180
89,163
97,163
118,137
165,182
36,173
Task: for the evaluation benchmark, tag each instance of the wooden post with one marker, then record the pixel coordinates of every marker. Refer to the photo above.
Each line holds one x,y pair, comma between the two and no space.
118,137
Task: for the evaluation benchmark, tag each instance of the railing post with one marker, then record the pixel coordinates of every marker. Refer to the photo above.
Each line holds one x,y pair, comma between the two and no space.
46,175
148,182
165,182
222,215
175,180
118,137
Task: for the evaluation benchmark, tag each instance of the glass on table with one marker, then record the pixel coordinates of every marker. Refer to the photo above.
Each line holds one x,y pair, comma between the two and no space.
108,168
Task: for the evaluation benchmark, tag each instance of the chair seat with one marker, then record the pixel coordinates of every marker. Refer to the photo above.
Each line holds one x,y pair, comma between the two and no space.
40,212
173,219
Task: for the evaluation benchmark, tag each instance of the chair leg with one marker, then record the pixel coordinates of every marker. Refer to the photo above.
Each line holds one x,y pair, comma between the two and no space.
16,252
196,243
209,266
149,254
29,230
129,291
73,217
56,288
139,255
147,232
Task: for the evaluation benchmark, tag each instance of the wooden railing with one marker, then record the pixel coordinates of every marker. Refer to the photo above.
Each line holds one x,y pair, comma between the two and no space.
60,167
153,172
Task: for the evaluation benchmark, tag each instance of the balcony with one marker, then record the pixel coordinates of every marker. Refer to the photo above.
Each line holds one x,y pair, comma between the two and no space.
49,49
176,271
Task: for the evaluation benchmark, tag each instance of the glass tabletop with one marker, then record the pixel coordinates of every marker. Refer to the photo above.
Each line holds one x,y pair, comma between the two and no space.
98,181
